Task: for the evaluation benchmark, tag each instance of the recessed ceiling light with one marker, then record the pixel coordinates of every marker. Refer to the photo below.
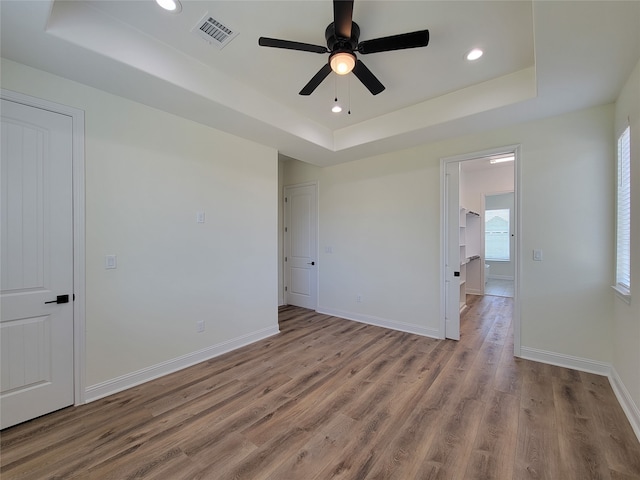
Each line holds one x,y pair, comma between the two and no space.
173,6
336,109
474,54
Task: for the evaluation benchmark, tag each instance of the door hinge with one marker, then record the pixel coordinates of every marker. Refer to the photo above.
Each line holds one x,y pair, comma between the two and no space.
285,259
74,297
286,288
286,199
286,229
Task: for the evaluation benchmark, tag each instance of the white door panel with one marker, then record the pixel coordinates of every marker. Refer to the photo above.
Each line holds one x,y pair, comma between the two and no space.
452,251
36,337
301,246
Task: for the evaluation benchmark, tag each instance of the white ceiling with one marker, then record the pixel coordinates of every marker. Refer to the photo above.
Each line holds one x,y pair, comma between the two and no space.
541,58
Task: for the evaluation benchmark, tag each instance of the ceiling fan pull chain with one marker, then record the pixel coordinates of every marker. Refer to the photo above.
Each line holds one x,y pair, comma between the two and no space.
349,95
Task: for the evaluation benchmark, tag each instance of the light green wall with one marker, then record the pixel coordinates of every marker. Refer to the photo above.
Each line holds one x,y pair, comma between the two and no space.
381,215
147,174
626,328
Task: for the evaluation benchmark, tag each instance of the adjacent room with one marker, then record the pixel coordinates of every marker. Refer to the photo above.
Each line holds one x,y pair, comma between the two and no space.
320,239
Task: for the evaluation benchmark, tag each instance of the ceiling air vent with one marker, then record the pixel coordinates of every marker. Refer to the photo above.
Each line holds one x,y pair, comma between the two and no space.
214,31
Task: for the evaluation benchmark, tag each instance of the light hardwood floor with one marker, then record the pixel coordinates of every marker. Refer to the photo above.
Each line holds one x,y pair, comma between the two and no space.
333,399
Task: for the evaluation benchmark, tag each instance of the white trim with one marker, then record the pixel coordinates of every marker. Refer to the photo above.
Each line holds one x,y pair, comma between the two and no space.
626,402
78,162
382,322
566,361
118,384
517,255
501,277
622,293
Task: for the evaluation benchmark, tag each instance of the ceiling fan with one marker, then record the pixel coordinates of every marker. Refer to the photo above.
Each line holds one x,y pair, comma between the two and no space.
343,36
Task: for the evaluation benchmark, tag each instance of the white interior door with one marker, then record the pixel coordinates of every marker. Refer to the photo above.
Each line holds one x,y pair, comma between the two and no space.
36,323
300,240
452,250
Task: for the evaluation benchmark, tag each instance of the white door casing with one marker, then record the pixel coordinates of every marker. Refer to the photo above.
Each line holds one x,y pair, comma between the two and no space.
300,242
452,251
37,338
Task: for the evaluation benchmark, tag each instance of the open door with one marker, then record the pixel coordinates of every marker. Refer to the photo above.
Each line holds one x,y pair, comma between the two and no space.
452,250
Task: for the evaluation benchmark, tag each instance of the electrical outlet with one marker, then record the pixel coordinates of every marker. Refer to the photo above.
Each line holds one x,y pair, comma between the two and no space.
200,326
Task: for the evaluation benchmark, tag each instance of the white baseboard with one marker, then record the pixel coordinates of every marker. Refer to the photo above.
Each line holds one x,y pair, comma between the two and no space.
118,384
631,410
501,277
567,361
382,322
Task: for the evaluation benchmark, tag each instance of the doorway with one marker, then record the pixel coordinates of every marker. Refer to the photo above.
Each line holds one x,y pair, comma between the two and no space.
467,183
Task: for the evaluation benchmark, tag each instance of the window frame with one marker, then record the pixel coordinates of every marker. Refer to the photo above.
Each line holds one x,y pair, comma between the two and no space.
509,253
622,284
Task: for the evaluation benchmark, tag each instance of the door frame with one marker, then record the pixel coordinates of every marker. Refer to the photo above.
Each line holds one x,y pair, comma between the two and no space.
516,149
285,274
78,186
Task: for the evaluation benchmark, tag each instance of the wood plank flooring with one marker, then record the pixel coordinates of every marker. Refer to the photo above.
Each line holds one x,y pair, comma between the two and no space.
333,399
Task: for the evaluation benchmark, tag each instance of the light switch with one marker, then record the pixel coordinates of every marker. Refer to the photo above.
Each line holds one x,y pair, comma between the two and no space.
199,217
537,255
110,262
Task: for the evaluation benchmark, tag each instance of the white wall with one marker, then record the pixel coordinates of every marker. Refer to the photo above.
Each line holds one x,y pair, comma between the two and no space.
147,174
626,317
474,183
381,215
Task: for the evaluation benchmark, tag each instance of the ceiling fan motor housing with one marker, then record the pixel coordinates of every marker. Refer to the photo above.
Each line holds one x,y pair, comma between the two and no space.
335,43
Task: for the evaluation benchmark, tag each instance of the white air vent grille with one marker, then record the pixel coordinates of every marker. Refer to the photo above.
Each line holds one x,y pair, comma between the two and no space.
214,31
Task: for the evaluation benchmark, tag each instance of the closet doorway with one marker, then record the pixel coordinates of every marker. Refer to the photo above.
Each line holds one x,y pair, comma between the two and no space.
479,235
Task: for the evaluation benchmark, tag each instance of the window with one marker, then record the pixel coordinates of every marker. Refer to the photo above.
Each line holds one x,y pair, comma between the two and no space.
623,215
496,235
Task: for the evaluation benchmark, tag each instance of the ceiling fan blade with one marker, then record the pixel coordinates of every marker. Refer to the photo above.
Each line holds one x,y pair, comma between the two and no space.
367,78
343,17
316,80
395,42
289,45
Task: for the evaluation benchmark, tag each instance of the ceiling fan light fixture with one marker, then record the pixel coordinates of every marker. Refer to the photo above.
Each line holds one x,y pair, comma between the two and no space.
342,62
173,6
